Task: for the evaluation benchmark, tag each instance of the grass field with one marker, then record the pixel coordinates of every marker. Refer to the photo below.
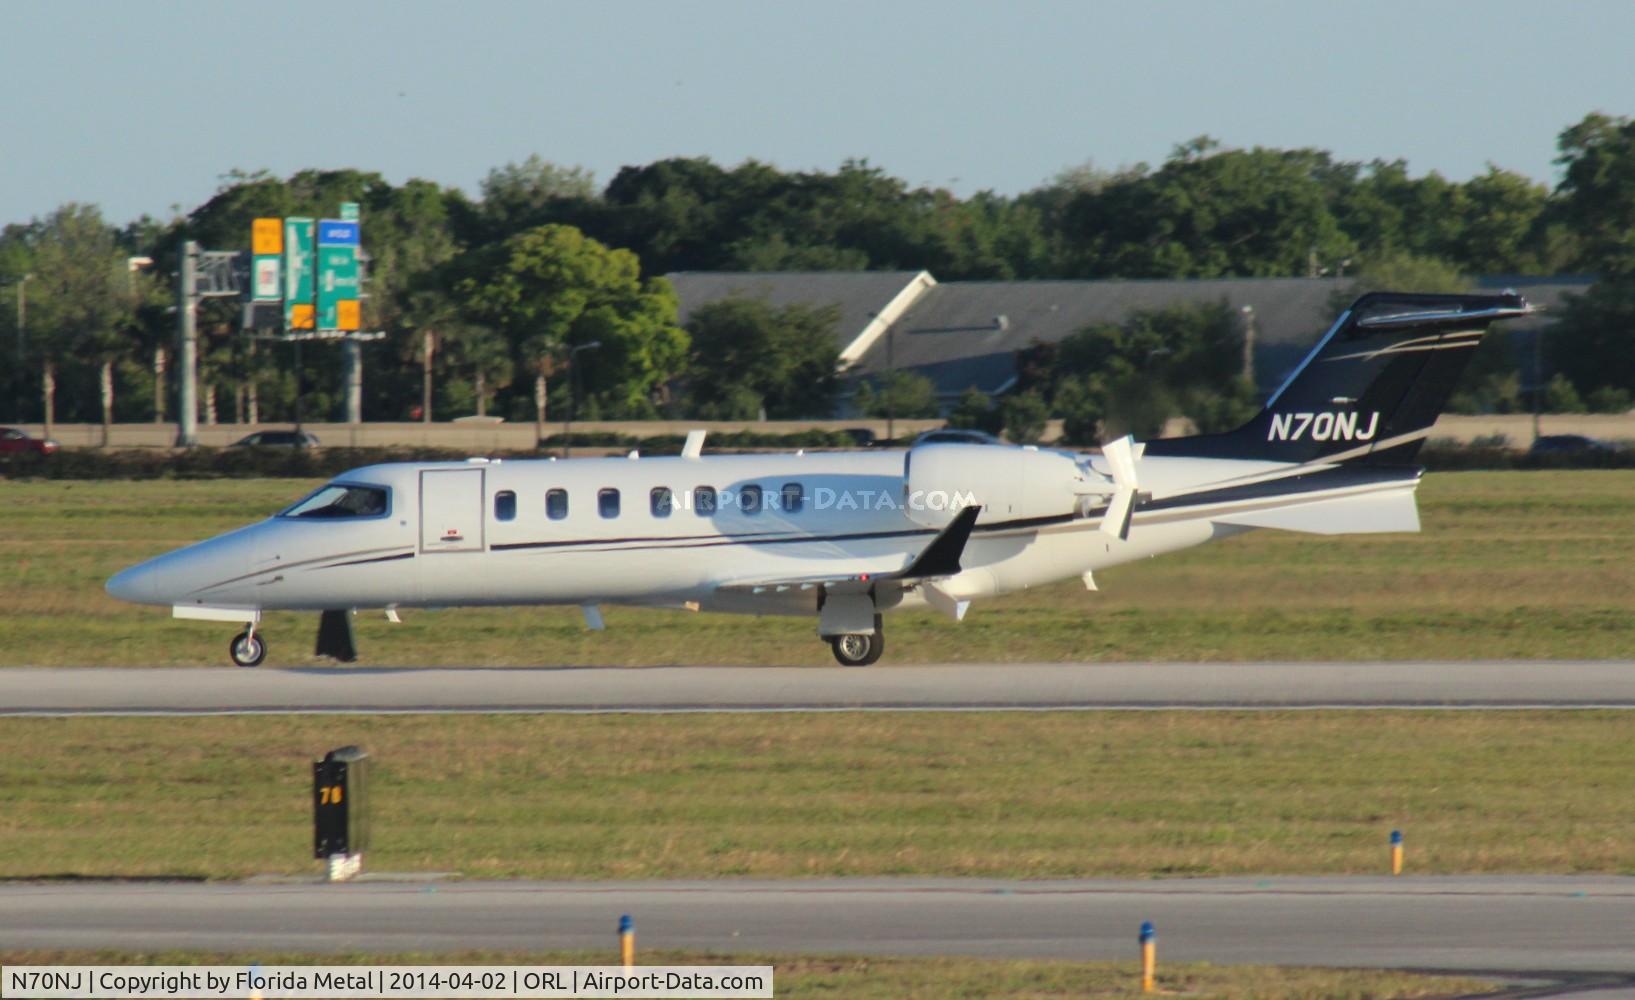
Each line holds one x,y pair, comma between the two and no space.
1509,565
895,978
1028,795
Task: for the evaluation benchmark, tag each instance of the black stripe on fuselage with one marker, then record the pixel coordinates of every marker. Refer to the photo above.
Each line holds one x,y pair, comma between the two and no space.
377,559
762,538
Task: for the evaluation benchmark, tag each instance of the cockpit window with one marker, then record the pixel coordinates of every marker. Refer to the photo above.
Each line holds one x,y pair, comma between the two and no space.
341,500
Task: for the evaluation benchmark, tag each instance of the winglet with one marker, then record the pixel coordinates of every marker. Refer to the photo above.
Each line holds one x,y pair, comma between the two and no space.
941,557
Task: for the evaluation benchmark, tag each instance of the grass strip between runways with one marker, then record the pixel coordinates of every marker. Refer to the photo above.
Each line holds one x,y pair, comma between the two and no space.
1027,795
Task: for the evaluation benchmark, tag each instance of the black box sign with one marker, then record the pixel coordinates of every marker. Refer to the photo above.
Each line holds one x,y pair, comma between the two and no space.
340,803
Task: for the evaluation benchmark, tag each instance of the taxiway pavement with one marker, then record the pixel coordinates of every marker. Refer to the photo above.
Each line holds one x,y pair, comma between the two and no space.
1508,924
969,686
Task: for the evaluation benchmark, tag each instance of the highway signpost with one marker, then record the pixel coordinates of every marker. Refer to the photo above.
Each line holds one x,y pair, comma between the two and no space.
306,283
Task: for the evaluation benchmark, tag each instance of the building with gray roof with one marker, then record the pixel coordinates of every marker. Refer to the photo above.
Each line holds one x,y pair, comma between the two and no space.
967,333
868,300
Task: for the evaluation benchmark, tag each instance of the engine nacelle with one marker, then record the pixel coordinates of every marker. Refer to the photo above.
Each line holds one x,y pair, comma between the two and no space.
1010,483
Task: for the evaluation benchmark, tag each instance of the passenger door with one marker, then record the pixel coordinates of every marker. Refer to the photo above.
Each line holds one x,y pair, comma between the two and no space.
451,510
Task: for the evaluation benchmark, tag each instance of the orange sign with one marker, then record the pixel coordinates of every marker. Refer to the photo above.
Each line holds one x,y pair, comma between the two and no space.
347,314
301,316
267,236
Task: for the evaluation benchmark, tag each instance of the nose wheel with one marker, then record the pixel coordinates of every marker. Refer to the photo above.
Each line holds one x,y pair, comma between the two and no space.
855,649
247,649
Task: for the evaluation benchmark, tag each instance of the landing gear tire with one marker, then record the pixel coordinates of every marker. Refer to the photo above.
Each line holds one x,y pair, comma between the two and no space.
247,650
858,650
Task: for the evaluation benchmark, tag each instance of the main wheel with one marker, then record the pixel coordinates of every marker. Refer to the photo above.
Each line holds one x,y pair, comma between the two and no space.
858,650
247,650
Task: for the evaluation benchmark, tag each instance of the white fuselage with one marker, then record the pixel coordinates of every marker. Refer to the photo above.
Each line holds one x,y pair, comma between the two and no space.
493,533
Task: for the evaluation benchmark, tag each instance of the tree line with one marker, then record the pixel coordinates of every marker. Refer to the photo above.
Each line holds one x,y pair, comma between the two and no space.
494,300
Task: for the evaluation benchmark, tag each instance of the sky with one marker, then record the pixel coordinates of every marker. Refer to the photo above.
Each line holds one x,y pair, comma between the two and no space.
142,108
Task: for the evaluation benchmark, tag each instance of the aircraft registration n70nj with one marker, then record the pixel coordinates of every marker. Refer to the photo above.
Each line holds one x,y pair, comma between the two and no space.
844,537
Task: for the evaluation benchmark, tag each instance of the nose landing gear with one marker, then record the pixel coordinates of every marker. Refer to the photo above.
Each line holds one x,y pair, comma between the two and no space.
247,649
334,640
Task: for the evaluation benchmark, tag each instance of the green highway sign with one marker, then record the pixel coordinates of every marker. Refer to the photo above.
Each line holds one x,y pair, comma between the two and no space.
338,241
337,283
349,211
298,284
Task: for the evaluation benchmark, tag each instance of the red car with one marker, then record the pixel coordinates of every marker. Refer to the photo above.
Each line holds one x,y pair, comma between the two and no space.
15,441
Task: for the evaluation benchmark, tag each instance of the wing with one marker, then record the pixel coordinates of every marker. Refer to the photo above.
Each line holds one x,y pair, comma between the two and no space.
941,558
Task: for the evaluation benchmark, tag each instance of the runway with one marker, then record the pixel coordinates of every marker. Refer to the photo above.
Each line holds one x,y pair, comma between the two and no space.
973,686
1510,924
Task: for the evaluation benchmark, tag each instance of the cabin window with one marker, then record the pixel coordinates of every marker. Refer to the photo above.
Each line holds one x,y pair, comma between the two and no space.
749,499
661,501
794,498
338,500
505,506
556,504
607,501
703,500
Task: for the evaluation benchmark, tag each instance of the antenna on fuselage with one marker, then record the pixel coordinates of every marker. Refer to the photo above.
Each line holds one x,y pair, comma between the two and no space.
694,447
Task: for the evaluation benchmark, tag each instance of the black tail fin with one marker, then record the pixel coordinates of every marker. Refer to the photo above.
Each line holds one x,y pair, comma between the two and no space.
1371,388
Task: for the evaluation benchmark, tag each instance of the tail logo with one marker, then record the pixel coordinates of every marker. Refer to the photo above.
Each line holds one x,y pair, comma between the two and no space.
1325,426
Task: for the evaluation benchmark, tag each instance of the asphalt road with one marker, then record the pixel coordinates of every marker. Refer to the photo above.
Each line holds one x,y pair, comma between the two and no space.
125,691
1511,924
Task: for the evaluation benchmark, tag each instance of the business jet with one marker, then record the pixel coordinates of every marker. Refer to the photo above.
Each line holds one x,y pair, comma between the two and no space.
843,537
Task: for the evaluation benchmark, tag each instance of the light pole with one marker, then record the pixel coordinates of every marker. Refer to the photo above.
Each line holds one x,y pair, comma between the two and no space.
133,265
573,395
1249,343
22,323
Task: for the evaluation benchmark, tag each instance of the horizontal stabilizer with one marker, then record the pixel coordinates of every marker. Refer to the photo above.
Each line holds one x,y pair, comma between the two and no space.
1116,521
1372,514
1120,455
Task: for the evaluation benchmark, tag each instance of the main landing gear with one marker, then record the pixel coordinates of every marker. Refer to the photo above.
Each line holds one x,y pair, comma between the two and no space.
857,649
247,649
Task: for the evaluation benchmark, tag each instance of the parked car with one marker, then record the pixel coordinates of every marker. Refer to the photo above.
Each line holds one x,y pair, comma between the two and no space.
1568,444
277,439
16,441
950,435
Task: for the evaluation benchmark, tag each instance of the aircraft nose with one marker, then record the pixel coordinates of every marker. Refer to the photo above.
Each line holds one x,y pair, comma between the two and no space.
136,585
